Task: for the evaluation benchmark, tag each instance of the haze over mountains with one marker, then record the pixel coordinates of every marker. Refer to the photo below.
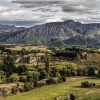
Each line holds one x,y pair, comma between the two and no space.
56,33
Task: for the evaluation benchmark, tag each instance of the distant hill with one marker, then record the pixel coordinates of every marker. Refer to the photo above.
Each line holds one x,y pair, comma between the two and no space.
55,33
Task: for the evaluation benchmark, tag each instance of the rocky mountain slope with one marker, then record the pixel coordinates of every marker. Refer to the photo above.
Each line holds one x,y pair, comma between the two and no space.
56,33
7,28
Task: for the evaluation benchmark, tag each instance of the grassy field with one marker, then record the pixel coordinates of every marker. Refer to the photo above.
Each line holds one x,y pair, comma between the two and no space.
41,48
73,85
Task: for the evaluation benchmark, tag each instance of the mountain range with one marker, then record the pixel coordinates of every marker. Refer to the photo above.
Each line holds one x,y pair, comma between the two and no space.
56,33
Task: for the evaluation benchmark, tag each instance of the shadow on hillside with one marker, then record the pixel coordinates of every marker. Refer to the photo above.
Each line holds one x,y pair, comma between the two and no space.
97,86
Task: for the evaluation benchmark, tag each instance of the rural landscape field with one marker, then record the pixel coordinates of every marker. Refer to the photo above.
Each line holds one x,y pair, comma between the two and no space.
49,73
62,91
49,49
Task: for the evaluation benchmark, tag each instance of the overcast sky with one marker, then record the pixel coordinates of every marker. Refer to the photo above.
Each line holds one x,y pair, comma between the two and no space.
34,12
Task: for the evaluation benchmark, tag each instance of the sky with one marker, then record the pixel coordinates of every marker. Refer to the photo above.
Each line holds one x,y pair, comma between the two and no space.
35,12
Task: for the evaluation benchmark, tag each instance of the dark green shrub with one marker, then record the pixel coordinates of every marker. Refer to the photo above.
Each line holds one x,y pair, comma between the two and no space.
35,78
14,90
91,71
21,69
72,97
28,87
23,78
69,73
54,72
56,82
79,71
64,79
87,84
51,81
43,74
93,84
60,80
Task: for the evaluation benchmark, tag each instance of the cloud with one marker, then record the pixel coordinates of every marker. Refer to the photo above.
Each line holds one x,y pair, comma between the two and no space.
35,12
78,8
36,3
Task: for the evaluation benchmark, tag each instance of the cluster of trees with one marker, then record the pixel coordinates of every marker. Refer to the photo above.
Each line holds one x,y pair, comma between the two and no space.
69,54
23,73
11,73
9,68
69,70
33,78
76,54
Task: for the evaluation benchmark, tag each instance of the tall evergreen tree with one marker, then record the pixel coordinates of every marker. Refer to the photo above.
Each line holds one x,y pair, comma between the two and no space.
8,65
91,71
47,63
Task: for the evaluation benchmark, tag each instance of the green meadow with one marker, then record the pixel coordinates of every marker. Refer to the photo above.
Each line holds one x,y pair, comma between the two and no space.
63,90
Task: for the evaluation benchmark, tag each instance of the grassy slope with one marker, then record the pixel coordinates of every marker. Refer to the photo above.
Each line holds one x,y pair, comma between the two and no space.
64,89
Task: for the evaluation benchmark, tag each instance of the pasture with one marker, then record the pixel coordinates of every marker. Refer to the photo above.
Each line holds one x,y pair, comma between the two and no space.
73,85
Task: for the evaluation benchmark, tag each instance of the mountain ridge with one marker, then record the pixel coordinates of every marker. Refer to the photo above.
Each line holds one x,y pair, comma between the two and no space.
56,33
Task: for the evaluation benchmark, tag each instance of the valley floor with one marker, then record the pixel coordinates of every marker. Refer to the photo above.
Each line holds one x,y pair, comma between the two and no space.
73,85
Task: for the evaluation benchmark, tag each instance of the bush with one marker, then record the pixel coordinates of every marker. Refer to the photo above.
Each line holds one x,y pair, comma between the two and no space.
72,97
87,84
14,90
14,77
23,78
60,80
69,73
54,72
64,79
43,74
28,87
51,81
93,84
91,71
35,78
21,69
21,89
2,77
41,83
